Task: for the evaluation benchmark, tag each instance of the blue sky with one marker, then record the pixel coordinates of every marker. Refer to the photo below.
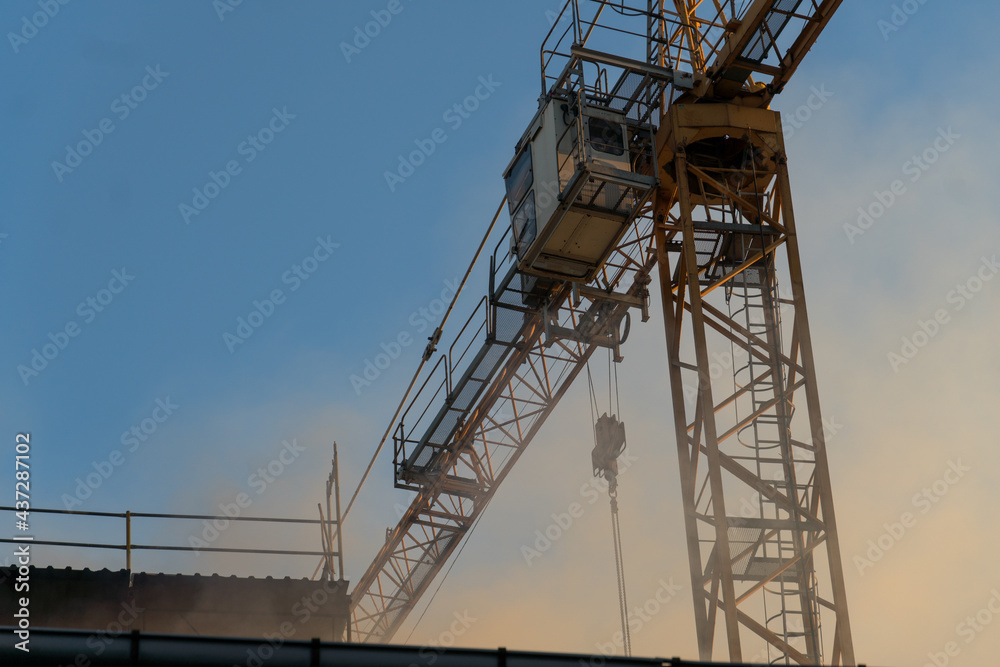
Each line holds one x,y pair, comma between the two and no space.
318,189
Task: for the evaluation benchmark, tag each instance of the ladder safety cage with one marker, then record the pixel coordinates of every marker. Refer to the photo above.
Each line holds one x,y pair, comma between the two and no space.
759,519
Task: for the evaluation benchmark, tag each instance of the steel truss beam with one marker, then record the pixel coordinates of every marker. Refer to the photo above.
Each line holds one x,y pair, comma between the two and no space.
719,226
520,396
758,508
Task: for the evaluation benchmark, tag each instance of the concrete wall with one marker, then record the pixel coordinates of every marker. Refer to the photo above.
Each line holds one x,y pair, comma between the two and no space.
181,604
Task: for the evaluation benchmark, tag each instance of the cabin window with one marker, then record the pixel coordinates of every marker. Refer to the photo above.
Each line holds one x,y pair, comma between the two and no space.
519,181
524,224
605,136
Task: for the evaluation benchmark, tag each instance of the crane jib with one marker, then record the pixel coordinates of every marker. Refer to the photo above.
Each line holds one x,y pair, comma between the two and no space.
615,151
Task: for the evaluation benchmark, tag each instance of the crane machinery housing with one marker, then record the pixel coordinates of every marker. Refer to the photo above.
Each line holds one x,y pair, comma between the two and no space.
653,156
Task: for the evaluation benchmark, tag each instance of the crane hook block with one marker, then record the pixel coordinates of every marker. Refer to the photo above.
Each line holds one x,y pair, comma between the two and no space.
610,436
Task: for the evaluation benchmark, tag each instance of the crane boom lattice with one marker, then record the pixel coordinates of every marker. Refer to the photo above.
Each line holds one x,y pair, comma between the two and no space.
653,146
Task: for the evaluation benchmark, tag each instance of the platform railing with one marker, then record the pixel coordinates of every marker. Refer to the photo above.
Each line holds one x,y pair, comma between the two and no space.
129,546
416,418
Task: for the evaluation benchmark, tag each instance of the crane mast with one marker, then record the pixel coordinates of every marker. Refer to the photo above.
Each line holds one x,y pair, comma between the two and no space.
654,148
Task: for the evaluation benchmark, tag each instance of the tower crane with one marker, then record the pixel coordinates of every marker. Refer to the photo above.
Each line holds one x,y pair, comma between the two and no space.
653,156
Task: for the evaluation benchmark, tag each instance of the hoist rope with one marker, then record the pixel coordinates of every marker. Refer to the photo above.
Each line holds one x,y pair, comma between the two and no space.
610,393
616,530
616,534
618,401
427,354
593,403
428,351
614,400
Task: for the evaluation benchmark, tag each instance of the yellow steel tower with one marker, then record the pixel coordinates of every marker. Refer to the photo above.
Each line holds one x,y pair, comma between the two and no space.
653,149
723,218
